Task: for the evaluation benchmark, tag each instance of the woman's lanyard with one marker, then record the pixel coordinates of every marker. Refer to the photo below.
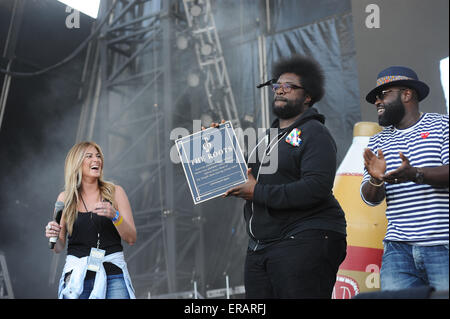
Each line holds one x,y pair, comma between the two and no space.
95,224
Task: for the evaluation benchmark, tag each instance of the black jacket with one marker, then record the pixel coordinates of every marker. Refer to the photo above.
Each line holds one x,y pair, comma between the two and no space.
298,196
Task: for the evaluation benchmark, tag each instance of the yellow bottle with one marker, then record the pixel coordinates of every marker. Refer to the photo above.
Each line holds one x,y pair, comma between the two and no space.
366,225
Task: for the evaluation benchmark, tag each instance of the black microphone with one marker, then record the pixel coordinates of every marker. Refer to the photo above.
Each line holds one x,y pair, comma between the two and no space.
59,207
266,83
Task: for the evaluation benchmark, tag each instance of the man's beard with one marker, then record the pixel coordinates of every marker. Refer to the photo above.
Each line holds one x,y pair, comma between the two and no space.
291,109
393,113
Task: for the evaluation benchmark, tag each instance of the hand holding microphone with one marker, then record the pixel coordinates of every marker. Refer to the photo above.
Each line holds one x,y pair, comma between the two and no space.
52,229
52,232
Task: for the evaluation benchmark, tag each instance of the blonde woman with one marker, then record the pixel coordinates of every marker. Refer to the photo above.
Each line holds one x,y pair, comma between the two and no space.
96,217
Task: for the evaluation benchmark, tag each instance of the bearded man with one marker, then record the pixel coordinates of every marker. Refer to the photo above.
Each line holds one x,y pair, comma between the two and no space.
296,227
407,164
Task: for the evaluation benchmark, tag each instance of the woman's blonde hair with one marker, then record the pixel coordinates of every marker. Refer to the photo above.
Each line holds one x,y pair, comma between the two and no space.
72,181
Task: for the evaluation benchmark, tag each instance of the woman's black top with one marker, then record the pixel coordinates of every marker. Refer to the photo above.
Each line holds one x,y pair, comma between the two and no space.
84,237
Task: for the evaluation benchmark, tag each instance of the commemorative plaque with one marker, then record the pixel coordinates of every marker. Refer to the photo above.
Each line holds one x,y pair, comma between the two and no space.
212,161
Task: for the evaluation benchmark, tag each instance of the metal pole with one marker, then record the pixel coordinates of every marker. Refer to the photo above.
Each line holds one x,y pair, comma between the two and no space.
4,95
195,290
268,16
10,47
170,218
262,54
227,286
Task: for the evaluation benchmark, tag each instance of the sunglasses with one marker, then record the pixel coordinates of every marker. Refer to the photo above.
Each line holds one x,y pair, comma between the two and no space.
382,94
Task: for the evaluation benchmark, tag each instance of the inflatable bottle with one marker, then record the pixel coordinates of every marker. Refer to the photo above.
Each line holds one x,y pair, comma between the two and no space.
366,225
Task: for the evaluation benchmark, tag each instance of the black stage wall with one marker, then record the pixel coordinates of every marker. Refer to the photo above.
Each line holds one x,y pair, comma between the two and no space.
413,33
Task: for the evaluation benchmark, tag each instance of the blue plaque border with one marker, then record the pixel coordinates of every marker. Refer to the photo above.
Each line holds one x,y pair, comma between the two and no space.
187,142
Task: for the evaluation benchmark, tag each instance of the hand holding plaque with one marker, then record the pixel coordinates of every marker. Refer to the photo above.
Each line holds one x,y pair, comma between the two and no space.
245,190
212,161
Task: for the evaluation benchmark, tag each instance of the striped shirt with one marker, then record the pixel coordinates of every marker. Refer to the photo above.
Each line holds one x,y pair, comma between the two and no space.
417,214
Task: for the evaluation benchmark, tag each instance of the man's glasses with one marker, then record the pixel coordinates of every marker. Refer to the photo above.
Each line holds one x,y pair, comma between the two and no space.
287,87
380,96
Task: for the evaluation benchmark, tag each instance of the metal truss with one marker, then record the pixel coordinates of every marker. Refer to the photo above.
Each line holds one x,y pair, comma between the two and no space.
211,59
130,95
6,291
127,110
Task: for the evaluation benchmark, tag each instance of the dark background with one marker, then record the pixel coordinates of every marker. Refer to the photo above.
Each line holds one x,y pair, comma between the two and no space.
412,33
39,127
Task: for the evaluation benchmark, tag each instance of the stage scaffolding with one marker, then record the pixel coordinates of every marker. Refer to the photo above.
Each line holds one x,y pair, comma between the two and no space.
132,87
6,291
